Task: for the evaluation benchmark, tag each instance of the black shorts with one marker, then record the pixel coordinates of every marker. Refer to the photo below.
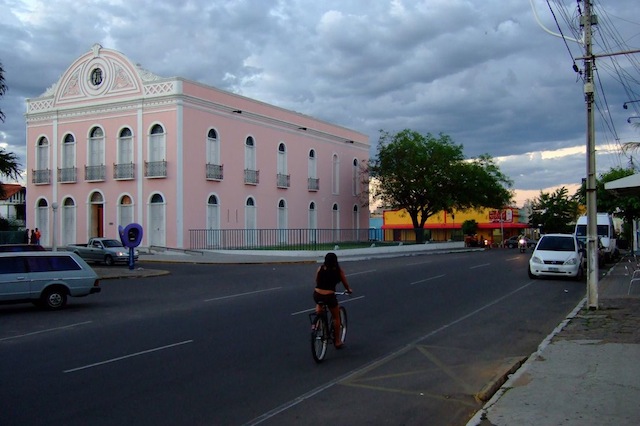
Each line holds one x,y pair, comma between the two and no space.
328,299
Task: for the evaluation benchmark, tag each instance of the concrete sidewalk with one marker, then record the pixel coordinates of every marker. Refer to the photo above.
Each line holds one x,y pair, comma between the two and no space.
586,372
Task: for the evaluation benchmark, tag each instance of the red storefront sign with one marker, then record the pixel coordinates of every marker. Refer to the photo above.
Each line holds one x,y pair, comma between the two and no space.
505,216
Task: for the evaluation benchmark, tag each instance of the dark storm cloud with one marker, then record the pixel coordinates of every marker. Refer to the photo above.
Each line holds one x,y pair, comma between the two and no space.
483,72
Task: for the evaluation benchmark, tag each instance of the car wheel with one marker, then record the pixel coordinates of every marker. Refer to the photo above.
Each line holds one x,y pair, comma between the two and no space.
108,260
54,298
533,277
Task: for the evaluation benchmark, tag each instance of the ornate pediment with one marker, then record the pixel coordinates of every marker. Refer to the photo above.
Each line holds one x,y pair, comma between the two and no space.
98,75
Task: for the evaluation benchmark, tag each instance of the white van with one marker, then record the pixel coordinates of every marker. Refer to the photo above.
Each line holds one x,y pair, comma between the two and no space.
606,232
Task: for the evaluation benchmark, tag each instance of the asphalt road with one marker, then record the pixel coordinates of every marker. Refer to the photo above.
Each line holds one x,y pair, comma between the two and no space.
229,345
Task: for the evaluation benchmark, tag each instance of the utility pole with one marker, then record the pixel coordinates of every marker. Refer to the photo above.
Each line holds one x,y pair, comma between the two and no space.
592,229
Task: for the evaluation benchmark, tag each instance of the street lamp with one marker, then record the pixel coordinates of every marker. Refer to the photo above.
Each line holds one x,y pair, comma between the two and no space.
624,105
633,116
54,245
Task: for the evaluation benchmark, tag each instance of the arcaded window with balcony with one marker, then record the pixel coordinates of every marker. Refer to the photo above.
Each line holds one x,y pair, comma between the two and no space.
156,167
95,168
42,173
313,183
124,168
251,174
214,166
68,172
283,179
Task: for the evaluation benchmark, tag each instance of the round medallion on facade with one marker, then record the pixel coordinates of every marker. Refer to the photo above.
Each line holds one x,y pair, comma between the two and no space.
97,76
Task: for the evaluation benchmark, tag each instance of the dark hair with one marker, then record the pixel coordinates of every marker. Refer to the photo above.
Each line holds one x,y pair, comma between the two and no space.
331,260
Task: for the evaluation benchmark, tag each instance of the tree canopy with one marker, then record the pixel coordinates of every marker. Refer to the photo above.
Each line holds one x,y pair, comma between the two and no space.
9,165
554,211
626,207
3,89
425,174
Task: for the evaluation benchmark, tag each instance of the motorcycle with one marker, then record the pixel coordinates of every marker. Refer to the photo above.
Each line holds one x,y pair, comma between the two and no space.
522,245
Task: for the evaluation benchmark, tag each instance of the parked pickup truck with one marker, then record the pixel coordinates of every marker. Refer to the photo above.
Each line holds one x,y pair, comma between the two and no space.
104,250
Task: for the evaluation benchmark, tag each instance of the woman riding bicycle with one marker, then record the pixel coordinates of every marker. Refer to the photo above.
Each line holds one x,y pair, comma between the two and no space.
327,278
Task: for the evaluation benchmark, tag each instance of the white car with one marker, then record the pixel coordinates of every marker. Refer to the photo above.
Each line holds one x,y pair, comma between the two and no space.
557,255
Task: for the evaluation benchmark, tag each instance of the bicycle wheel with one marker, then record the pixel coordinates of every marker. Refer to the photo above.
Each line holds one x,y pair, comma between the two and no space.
319,339
343,324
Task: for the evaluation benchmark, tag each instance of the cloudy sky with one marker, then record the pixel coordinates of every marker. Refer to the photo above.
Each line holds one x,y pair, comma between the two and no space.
482,71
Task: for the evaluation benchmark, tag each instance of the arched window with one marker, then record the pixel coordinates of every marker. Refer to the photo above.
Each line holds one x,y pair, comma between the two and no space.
42,173
68,169
95,170
68,222
214,165
124,168
250,223
157,221
355,176
282,221
313,222
157,166
251,175
355,219
42,221
335,175
125,211
213,222
335,222
313,183
283,177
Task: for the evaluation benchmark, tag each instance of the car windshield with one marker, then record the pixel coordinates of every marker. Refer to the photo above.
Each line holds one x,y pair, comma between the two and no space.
556,244
112,243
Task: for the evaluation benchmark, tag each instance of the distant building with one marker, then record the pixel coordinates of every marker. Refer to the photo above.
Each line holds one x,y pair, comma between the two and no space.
12,205
494,225
111,143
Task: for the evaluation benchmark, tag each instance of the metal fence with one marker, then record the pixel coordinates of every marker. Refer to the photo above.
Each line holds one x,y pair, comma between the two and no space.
278,239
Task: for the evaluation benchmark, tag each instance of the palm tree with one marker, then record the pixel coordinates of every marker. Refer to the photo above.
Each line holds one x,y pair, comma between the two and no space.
9,165
3,88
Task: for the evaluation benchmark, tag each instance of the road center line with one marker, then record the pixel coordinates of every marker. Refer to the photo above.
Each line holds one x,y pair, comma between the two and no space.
342,302
480,266
374,364
242,294
362,272
45,331
127,356
427,279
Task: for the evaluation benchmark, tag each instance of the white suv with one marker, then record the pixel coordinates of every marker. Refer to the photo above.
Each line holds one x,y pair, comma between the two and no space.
557,255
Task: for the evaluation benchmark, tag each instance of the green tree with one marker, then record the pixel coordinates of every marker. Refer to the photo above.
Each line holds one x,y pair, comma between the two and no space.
3,89
424,174
469,227
554,212
9,165
626,207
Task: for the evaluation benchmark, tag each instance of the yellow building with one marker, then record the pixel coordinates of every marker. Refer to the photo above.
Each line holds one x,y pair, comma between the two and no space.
493,225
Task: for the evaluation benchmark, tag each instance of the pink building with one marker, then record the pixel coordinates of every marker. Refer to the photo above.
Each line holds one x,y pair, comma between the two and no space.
111,143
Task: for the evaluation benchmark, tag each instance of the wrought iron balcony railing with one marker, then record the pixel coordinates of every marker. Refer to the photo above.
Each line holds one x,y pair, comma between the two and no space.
155,169
123,171
214,171
68,175
95,173
251,177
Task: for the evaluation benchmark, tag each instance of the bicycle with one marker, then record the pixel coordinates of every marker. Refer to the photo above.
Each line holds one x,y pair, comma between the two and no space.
322,332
